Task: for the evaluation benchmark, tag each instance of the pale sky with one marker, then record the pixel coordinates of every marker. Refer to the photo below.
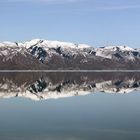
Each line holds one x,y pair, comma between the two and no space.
94,22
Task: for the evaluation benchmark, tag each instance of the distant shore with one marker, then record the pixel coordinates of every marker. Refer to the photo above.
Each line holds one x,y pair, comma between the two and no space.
99,71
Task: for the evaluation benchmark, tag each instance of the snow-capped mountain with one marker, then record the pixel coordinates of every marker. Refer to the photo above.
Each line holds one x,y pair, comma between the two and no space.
44,54
42,86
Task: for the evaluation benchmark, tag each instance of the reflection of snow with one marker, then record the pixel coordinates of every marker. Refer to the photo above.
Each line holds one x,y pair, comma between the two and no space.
44,89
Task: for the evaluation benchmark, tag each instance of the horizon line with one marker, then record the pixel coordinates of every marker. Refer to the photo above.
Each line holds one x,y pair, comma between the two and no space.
74,71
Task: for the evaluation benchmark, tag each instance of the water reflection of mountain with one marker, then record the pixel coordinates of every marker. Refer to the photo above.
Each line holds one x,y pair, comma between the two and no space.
39,86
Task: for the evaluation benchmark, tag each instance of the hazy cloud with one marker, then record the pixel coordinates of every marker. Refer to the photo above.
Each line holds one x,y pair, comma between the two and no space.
39,1
125,7
86,5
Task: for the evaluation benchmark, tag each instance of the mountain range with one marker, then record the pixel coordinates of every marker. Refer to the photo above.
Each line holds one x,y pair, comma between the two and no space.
39,54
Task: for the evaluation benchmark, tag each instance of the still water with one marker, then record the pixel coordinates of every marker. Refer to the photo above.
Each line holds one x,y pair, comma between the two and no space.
69,106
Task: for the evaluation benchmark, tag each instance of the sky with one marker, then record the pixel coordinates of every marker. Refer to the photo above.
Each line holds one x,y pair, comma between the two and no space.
94,22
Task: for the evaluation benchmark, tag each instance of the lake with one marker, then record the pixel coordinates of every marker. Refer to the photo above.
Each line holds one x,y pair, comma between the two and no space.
69,106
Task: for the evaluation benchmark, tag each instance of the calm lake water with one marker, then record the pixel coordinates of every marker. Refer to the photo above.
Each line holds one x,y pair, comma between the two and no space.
69,106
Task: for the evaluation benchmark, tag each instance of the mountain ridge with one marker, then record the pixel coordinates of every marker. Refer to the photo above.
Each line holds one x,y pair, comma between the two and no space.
44,54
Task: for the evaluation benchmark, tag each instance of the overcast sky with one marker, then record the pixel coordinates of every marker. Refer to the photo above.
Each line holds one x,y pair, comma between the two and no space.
95,22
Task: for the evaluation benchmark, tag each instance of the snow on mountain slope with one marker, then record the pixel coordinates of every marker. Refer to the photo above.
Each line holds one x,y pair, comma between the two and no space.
118,52
54,44
42,48
65,55
66,49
